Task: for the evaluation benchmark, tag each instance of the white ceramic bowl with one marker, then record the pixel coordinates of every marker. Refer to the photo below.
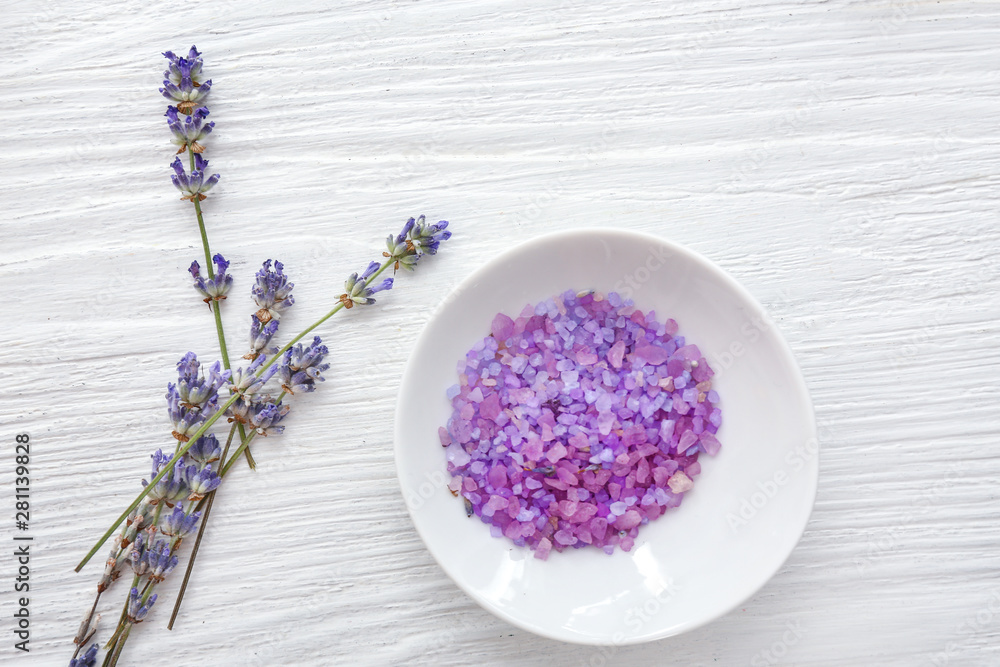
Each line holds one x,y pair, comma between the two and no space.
733,531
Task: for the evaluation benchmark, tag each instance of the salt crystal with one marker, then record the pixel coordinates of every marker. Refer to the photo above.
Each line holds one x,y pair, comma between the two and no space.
710,443
688,439
679,483
600,399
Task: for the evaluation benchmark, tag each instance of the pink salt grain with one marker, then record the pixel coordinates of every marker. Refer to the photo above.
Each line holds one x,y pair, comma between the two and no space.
503,327
581,411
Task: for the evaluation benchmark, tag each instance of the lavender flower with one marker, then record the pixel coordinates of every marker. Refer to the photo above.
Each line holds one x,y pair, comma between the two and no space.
213,289
193,186
401,249
265,420
260,336
88,659
416,239
427,238
189,131
273,292
179,524
181,81
137,610
243,409
246,407
205,450
358,290
301,367
185,418
181,68
246,382
137,557
193,388
200,482
159,560
172,487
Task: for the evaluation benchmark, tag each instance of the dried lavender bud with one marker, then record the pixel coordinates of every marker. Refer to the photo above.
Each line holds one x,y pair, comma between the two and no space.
301,367
195,397
88,659
213,289
159,560
273,292
137,611
200,482
110,569
186,419
193,387
137,557
205,450
245,380
180,68
179,524
242,409
260,336
182,81
172,487
265,420
416,239
400,249
193,185
189,131
136,521
427,238
357,289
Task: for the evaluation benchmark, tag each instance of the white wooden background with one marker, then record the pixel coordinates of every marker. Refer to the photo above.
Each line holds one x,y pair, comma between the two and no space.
839,158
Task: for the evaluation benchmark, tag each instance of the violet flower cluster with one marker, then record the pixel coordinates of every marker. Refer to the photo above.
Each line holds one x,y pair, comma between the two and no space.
212,288
182,82
416,239
186,115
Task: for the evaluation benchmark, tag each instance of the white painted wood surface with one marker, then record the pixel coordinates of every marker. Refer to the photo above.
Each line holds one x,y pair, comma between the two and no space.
840,159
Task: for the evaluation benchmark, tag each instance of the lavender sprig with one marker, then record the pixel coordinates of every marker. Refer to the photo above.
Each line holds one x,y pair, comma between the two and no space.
177,498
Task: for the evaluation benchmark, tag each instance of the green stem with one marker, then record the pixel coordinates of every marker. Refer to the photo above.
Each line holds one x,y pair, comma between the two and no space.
120,646
215,305
201,225
121,618
243,446
210,500
208,424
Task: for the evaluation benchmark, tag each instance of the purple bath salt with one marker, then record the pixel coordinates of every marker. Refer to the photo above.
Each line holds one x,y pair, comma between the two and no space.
579,421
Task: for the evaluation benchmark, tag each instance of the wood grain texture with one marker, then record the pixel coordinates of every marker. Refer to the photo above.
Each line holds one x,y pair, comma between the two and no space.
838,158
